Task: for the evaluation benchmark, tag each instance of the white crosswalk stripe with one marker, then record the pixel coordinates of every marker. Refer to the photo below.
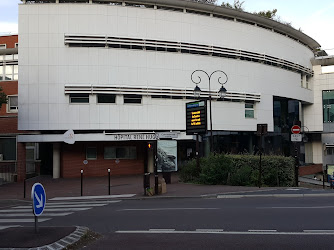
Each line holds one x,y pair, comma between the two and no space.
23,215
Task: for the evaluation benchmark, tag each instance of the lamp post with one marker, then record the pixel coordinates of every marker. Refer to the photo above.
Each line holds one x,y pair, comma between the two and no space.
197,91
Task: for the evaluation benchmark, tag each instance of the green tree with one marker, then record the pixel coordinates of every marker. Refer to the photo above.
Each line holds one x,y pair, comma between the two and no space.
3,97
268,14
236,5
206,1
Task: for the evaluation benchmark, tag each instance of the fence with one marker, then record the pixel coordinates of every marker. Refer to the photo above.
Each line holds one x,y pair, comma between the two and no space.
8,173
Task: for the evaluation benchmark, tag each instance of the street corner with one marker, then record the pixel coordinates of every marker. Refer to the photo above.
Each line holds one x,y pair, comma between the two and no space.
46,237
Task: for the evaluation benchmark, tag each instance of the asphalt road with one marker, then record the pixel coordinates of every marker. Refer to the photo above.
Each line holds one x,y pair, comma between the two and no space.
245,223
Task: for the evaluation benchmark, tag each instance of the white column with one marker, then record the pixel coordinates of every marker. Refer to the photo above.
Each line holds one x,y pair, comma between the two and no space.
56,160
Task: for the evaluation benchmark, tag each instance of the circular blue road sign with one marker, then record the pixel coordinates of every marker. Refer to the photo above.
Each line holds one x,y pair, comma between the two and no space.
38,197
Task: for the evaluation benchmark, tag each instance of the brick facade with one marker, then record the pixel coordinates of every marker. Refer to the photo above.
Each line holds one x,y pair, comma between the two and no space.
72,157
9,41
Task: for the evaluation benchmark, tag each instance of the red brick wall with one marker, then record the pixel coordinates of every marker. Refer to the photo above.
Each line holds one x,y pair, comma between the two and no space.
9,40
8,125
72,157
310,170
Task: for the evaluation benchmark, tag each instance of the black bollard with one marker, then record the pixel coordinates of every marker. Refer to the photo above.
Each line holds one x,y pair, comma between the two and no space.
81,180
24,188
109,181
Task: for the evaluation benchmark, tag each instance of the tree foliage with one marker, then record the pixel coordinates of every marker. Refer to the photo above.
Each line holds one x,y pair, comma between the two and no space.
205,1
236,5
268,14
3,97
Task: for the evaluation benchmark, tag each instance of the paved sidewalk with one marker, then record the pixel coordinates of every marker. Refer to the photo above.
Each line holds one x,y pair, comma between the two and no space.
94,186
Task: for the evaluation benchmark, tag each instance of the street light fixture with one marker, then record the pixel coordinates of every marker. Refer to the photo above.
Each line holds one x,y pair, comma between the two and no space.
197,91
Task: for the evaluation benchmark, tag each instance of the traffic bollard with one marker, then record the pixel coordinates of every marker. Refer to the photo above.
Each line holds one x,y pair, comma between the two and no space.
81,180
109,181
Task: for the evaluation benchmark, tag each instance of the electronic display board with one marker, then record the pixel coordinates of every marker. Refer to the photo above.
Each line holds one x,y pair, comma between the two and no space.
196,117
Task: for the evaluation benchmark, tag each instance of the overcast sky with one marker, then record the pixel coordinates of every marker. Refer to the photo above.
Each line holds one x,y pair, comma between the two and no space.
315,18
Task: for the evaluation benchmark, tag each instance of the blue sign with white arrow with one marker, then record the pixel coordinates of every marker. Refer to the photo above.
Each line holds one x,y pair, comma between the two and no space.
38,197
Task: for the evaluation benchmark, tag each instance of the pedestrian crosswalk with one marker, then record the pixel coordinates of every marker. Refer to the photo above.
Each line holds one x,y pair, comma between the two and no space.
23,215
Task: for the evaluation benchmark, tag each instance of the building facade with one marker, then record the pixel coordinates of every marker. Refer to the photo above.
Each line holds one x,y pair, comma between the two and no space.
100,79
13,159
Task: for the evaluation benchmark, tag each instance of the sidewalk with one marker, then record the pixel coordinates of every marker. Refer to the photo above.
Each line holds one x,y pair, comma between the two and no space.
96,186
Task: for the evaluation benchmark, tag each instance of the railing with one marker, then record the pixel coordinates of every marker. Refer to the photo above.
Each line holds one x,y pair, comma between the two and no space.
7,173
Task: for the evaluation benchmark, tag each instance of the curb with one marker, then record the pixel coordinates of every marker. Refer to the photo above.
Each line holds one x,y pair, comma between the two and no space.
274,195
62,243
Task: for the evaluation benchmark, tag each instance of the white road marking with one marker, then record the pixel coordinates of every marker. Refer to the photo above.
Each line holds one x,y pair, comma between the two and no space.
317,232
81,202
162,209
65,209
262,230
30,214
210,230
23,220
162,229
316,207
93,197
68,205
9,226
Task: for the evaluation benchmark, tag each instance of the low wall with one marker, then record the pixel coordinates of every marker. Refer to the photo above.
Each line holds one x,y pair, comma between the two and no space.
309,170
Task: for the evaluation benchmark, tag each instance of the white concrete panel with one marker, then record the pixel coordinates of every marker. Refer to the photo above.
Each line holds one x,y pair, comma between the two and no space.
43,24
43,113
43,94
43,74
33,56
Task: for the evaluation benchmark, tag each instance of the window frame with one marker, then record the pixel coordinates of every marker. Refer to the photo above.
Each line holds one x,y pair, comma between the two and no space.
117,156
133,97
88,157
77,96
9,109
249,109
106,95
3,46
10,137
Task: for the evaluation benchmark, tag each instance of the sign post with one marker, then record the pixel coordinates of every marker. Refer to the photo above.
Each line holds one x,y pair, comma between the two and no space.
296,137
196,122
261,130
38,197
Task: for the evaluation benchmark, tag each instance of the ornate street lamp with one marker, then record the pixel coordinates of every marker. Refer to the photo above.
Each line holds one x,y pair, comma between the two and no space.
197,91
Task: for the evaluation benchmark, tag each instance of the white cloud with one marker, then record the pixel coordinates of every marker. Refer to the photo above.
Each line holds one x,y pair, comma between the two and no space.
6,27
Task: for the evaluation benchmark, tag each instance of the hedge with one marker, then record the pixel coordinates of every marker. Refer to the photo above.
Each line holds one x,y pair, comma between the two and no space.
240,170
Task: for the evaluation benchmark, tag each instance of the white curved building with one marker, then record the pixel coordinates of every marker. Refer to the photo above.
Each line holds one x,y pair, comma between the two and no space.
110,69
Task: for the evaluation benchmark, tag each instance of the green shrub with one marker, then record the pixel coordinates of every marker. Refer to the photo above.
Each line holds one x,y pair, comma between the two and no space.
240,170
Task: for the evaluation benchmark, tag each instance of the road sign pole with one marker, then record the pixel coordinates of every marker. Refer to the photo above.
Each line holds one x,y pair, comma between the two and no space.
36,222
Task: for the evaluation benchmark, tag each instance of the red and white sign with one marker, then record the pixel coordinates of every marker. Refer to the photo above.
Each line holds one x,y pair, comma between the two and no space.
295,129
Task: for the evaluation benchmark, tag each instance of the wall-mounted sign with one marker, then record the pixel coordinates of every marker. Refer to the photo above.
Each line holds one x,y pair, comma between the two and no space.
134,137
196,118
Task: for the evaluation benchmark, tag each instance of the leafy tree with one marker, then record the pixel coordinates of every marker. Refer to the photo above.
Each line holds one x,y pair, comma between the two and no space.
268,14
236,5
205,1
3,97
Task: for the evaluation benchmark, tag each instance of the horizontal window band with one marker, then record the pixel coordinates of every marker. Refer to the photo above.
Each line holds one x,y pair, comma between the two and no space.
180,47
151,91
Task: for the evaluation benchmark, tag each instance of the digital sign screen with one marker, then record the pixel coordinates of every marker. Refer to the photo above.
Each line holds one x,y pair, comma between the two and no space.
196,118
